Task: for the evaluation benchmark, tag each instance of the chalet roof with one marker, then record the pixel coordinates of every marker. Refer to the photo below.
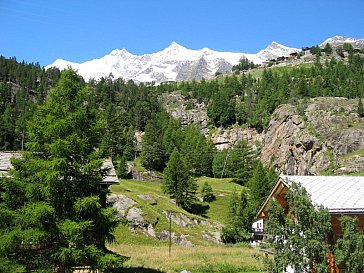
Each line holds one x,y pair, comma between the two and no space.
5,164
109,179
339,194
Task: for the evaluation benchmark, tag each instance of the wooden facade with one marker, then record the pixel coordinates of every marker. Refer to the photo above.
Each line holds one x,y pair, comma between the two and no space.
279,194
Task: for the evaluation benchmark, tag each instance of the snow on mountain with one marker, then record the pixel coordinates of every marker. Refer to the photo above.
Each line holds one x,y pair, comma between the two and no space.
174,63
340,40
275,50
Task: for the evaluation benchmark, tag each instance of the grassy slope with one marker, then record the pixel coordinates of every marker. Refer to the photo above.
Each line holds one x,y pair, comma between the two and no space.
147,252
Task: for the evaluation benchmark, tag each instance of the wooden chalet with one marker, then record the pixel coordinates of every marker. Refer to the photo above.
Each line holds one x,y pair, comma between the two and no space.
341,195
293,55
108,180
356,50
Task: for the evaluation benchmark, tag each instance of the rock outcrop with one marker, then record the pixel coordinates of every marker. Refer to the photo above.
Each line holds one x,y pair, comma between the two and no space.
186,111
138,221
319,137
226,138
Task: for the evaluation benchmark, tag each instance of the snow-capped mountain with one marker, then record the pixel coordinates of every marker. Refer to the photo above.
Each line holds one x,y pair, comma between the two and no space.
340,40
175,63
275,50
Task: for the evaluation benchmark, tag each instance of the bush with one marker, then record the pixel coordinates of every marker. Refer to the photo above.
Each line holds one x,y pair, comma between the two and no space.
207,193
233,234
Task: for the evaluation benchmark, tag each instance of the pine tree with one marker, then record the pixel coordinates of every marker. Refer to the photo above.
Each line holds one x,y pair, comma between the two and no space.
207,193
260,184
177,181
240,162
53,202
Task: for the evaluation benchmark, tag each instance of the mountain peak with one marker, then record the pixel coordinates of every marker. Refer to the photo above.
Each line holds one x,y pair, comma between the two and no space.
339,40
174,47
122,53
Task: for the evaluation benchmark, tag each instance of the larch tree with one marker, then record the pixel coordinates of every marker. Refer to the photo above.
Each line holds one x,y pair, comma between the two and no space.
52,207
177,181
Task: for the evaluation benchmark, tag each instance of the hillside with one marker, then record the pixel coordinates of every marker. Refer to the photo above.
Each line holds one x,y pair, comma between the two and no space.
146,225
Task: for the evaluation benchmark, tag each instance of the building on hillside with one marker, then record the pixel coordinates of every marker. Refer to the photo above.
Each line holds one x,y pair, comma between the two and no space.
341,195
258,234
108,180
293,55
5,161
306,51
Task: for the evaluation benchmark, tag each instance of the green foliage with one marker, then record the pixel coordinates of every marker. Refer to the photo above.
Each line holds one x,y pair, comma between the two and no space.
207,193
177,181
244,64
197,151
328,49
57,206
122,168
260,183
221,109
349,250
153,153
240,219
237,163
300,239
348,47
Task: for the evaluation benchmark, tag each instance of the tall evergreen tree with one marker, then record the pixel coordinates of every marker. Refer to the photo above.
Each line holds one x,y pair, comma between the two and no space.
53,202
241,162
177,181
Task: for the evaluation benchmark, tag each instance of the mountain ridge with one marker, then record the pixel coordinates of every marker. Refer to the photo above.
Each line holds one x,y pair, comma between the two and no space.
175,62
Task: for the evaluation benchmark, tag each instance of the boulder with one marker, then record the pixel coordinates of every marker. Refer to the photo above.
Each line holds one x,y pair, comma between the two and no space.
121,203
135,216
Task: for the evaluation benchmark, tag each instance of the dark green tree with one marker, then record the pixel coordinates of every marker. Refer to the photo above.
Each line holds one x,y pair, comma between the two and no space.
153,154
328,49
198,151
53,202
177,181
240,162
221,109
207,193
238,228
260,184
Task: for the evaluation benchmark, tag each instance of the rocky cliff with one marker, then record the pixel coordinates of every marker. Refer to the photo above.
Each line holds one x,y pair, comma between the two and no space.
321,135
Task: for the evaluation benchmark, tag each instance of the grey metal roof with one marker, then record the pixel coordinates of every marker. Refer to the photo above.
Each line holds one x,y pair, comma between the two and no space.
5,166
111,177
336,193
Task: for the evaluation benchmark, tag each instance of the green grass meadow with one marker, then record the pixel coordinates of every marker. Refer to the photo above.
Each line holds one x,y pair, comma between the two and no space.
148,254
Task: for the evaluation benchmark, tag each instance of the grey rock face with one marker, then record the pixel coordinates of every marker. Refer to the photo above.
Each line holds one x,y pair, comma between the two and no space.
226,138
176,105
179,240
121,202
324,136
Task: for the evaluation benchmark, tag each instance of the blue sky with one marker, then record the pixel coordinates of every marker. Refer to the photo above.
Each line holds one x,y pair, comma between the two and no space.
42,31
